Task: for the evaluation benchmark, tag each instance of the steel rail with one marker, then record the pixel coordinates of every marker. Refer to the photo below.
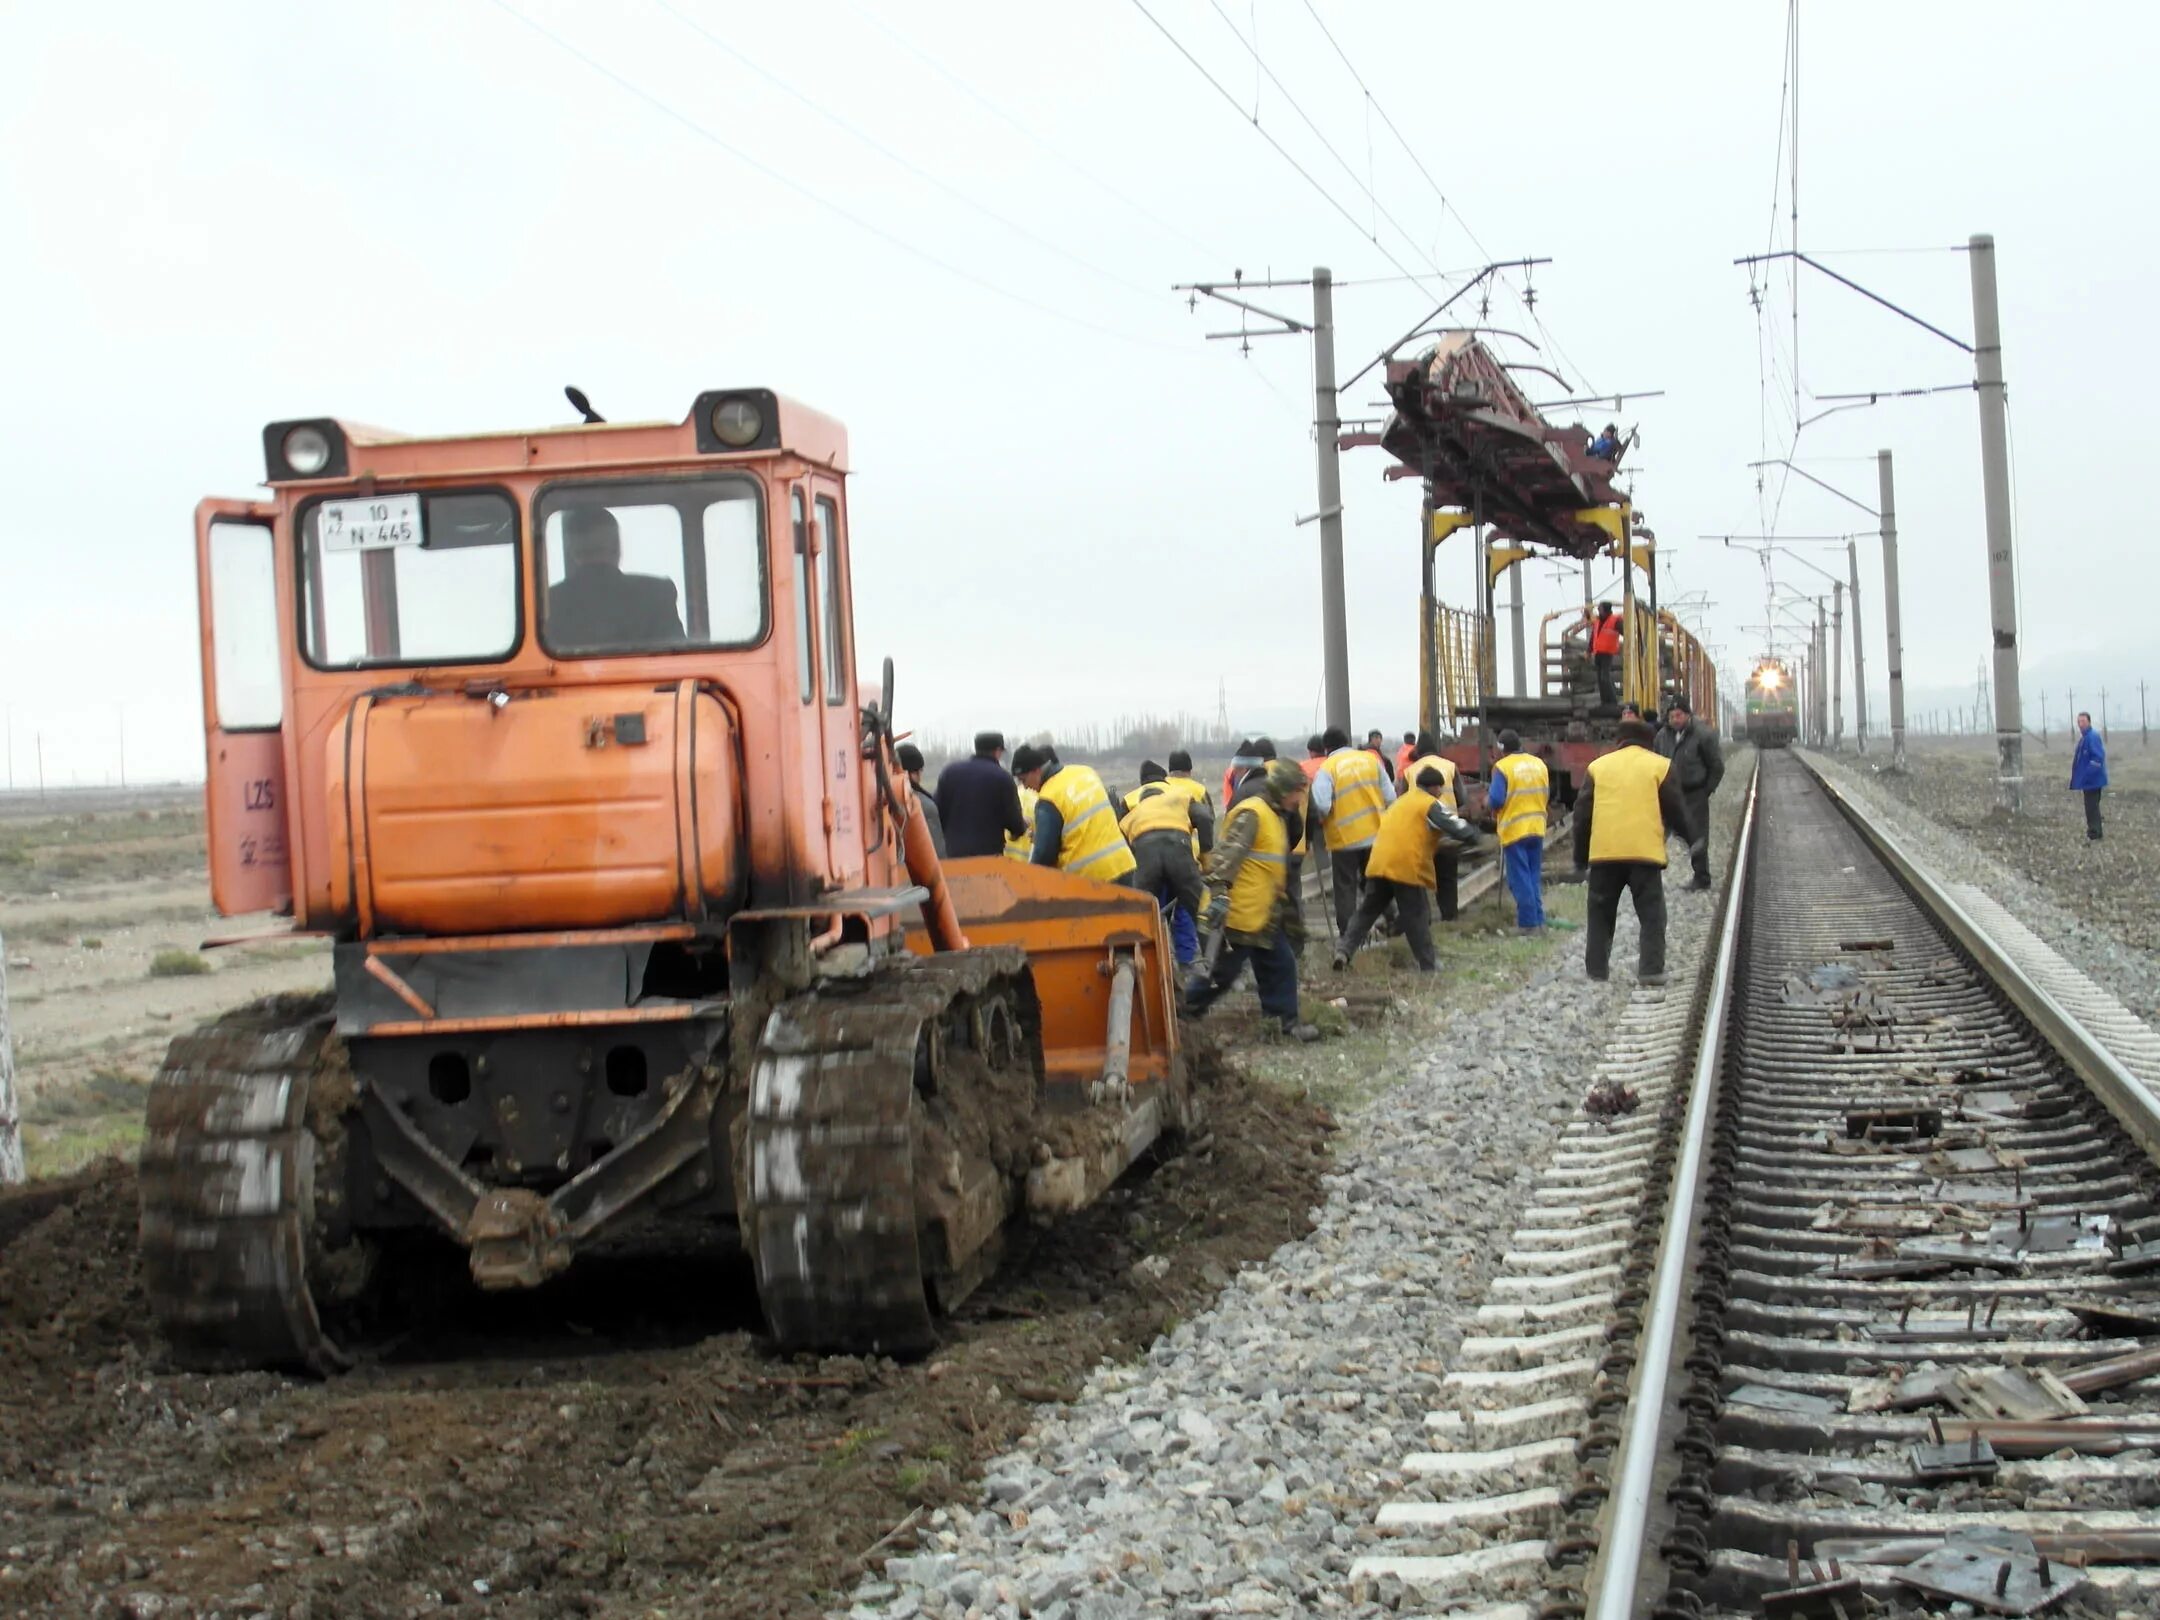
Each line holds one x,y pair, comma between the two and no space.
2126,1097
1619,1569
1618,1576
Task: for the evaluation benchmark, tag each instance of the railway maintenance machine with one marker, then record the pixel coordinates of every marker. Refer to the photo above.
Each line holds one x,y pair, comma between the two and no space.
1492,464
636,929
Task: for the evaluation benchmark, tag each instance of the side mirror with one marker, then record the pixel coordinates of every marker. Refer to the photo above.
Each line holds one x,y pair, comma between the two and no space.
885,698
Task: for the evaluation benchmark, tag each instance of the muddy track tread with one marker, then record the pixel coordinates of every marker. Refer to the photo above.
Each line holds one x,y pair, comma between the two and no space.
228,1196
829,1207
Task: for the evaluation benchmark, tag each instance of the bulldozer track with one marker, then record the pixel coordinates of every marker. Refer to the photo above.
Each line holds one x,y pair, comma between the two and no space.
232,1174
870,1200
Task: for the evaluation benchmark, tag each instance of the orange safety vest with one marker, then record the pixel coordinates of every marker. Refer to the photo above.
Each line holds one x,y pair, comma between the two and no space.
1605,634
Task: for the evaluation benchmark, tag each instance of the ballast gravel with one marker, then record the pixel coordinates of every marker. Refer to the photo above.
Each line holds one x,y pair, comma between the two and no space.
2133,975
1237,1468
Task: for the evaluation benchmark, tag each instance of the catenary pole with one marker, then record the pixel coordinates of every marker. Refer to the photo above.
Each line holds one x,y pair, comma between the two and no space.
1327,426
1892,628
1859,649
1837,664
1515,618
1995,485
1822,662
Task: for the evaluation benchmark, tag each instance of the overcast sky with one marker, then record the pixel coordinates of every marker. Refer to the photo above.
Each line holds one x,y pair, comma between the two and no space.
955,227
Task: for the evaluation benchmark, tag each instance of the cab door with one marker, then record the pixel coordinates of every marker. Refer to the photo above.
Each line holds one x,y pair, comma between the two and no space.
243,683
837,700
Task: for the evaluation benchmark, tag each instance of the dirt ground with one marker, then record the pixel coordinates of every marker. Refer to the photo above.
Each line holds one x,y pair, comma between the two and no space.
90,896
622,1443
2112,882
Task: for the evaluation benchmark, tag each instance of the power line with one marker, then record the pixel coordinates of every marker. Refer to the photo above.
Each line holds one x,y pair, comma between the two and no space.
781,178
1408,150
1379,207
869,14
1259,129
900,160
1527,301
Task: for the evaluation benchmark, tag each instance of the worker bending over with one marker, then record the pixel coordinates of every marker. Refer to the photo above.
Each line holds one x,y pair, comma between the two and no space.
1247,915
1158,825
1350,793
1447,862
1076,830
1516,797
1622,816
1180,779
1400,870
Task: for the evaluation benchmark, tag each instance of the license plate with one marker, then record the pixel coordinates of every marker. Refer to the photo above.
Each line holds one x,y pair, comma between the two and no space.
375,524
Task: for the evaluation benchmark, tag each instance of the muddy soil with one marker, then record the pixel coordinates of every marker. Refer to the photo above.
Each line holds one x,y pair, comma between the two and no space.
621,1444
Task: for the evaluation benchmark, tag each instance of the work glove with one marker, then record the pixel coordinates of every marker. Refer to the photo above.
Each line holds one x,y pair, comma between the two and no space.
1217,916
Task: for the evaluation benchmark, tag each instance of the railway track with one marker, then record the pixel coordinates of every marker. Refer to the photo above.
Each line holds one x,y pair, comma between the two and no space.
1857,1312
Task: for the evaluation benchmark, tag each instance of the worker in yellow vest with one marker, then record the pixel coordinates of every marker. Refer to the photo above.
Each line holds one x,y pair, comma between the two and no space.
1400,870
1158,825
1248,915
1350,793
1076,826
1021,846
1516,797
1180,779
1447,861
1622,817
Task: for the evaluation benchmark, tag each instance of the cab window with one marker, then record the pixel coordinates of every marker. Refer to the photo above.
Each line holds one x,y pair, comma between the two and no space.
803,628
409,579
836,666
652,566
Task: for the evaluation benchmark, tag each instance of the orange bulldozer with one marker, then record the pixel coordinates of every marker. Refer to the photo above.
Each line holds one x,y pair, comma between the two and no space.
556,736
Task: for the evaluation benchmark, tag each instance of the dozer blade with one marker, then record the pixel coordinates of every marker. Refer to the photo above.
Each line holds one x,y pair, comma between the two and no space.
1073,930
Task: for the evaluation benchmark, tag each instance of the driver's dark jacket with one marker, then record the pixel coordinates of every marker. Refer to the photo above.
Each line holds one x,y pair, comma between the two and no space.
606,610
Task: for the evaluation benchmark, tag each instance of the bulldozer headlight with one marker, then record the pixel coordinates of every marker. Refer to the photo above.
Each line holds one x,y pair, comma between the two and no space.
307,452
728,419
737,422
314,448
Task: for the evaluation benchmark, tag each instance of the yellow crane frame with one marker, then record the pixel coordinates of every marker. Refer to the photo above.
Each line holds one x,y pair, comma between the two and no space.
1455,646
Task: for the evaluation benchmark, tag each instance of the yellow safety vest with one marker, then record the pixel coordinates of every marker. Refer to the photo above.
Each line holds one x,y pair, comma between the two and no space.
1446,767
1353,819
1092,845
1148,809
1522,812
1023,847
1625,821
1195,791
1198,793
1404,851
1266,873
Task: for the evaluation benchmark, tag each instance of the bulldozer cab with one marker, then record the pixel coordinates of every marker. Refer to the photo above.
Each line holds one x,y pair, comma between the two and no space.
595,676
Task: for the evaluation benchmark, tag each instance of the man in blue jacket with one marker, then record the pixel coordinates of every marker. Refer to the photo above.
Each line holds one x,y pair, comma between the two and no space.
2088,772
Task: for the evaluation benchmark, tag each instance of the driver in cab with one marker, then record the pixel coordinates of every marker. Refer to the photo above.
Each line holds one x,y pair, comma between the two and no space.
595,606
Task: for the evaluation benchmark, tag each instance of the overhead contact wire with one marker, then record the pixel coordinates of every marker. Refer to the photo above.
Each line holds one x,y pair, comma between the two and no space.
782,178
